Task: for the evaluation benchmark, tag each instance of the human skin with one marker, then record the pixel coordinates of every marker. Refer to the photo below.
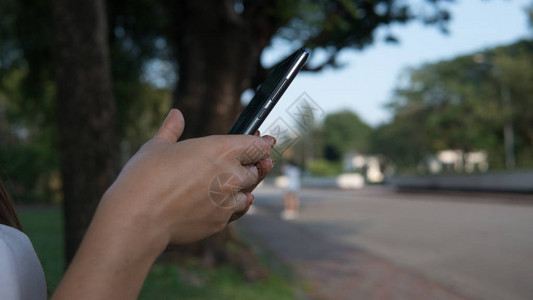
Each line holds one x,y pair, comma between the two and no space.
161,198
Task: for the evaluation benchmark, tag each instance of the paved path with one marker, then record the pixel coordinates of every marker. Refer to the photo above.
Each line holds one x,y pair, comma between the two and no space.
378,244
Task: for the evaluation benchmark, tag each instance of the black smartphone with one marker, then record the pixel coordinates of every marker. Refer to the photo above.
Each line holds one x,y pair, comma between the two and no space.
269,93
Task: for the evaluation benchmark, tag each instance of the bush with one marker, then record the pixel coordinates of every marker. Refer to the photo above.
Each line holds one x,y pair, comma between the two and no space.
322,167
27,170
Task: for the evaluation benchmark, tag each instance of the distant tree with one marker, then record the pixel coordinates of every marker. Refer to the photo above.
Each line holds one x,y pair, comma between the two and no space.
466,103
514,76
309,142
345,132
401,141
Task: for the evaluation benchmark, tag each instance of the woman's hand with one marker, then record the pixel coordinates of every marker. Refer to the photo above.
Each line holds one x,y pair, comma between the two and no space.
189,189
168,193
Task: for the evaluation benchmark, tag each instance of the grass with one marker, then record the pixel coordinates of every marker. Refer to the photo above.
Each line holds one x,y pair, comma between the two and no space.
43,225
167,281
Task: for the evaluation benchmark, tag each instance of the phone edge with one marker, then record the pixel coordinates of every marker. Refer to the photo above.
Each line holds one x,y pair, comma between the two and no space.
277,93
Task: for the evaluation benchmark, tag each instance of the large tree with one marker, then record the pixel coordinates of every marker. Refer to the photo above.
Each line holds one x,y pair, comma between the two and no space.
86,112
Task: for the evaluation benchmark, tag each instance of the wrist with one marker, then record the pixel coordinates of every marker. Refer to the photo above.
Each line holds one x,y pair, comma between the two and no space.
130,230
116,254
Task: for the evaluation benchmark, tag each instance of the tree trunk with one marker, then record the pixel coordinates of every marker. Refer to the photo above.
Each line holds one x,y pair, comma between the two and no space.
218,53
86,114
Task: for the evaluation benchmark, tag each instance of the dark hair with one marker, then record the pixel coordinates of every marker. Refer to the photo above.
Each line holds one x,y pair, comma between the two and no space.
7,212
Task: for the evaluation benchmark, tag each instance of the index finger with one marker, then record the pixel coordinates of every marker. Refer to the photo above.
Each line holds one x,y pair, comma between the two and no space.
254,149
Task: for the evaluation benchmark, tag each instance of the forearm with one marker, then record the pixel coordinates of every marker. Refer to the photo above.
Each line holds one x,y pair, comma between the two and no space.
113,259
160,197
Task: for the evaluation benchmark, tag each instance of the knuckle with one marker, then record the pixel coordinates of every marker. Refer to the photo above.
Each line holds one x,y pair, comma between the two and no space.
266,148
221,145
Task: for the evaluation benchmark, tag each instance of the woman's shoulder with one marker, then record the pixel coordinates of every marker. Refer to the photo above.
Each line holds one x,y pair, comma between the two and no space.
11,237
14,245
21,274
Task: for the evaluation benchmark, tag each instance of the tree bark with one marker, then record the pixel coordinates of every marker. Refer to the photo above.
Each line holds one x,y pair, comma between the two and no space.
85,107
218,53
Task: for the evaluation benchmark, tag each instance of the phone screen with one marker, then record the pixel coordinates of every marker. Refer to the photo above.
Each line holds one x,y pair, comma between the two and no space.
269,92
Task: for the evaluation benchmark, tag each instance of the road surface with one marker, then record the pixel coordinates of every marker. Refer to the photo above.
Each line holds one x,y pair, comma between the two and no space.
436,245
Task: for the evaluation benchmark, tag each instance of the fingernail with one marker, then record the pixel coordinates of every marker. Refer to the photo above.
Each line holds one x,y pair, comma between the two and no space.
253,198
270,140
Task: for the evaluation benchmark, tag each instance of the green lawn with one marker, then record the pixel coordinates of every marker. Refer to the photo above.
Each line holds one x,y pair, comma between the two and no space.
166,281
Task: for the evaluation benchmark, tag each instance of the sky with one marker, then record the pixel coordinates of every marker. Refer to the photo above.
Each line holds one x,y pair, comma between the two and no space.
366,83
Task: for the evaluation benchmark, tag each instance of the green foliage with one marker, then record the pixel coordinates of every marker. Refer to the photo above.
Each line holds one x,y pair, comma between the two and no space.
136,38
515,72
401,142
28,132
459,104
333,25
25,45
345,132
323,167
27,108
28,157
29,172
142,115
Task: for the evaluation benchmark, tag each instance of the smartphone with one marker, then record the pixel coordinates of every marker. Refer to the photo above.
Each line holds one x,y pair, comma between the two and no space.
269,93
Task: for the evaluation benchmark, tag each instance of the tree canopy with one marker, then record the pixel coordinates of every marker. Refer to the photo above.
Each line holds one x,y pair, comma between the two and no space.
345,132
463,104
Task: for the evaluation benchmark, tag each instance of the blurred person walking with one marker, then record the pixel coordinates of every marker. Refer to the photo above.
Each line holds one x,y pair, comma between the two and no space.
291,200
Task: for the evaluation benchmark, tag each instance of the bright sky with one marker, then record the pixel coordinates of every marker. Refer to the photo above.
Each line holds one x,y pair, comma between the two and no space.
366,83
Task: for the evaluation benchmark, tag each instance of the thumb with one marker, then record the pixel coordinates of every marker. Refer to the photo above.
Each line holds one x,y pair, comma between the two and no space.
172,126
